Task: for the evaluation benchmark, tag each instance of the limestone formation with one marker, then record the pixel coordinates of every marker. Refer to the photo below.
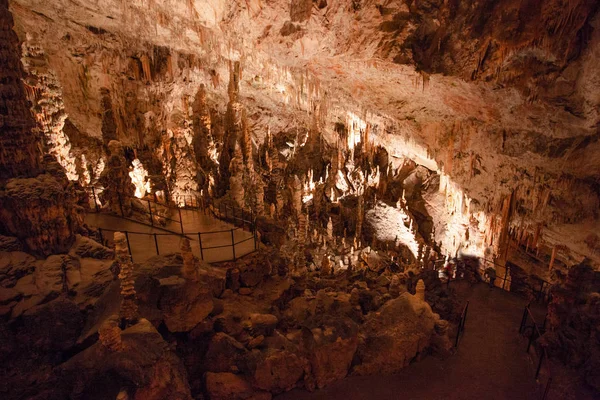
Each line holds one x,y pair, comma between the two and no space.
129,308
118,189
423,128
19,153
110,334
189,271
37,209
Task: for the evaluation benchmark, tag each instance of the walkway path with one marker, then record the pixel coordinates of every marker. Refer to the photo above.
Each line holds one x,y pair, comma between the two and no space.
143,245
490,362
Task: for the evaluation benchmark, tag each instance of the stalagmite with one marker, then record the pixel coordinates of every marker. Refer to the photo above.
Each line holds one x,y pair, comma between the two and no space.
118,188
189,270
109,334
129,309
325,266
329,230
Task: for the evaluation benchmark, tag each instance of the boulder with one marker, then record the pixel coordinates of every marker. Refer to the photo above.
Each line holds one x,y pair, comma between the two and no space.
277,371
225,354
145,368
254,272
184,306
262,324
331,350
213,278
393,336
52,327
85,247
227,386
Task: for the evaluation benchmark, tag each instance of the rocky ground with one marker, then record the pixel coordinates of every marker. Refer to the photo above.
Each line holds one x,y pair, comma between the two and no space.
243,330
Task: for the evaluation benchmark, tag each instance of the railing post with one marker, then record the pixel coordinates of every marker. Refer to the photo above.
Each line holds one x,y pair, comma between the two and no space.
537,372
200,242
531,338
94,196
156,244
121,204
545,396
128,245
505,276
101,237
151,218
523,321
180,220
233,245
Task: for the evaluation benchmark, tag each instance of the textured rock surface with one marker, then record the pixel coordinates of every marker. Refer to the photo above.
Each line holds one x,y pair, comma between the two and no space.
392,337
146,368
38,209
499,101
19,154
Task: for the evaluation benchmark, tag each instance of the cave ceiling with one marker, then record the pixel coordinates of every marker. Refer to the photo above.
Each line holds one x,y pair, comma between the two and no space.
512,87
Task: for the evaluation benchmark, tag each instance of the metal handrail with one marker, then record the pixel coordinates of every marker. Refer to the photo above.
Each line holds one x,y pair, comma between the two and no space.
461,324
505,279
535,330
199,234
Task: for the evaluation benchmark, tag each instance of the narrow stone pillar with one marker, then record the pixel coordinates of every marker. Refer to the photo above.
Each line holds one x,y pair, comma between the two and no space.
189,266
420,290
129,309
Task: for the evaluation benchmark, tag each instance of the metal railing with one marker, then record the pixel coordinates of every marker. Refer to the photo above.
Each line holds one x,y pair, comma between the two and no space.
240,218
541,294
226,235
150,208
461,324
533,331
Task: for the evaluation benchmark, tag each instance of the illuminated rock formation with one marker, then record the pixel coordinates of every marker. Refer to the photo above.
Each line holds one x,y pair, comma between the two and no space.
45,94
38,209
118,188
19,154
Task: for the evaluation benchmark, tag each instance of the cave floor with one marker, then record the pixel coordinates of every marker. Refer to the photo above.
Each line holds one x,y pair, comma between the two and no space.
490,363
143,245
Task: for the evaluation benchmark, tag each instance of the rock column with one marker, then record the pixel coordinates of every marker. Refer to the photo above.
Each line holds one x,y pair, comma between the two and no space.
36,206
19,146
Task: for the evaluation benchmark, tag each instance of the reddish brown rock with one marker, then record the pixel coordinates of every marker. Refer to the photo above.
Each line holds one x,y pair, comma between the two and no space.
392,337
184,306
278,371
227,386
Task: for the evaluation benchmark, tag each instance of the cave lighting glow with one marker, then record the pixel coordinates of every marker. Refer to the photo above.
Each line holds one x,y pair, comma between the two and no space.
139,178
